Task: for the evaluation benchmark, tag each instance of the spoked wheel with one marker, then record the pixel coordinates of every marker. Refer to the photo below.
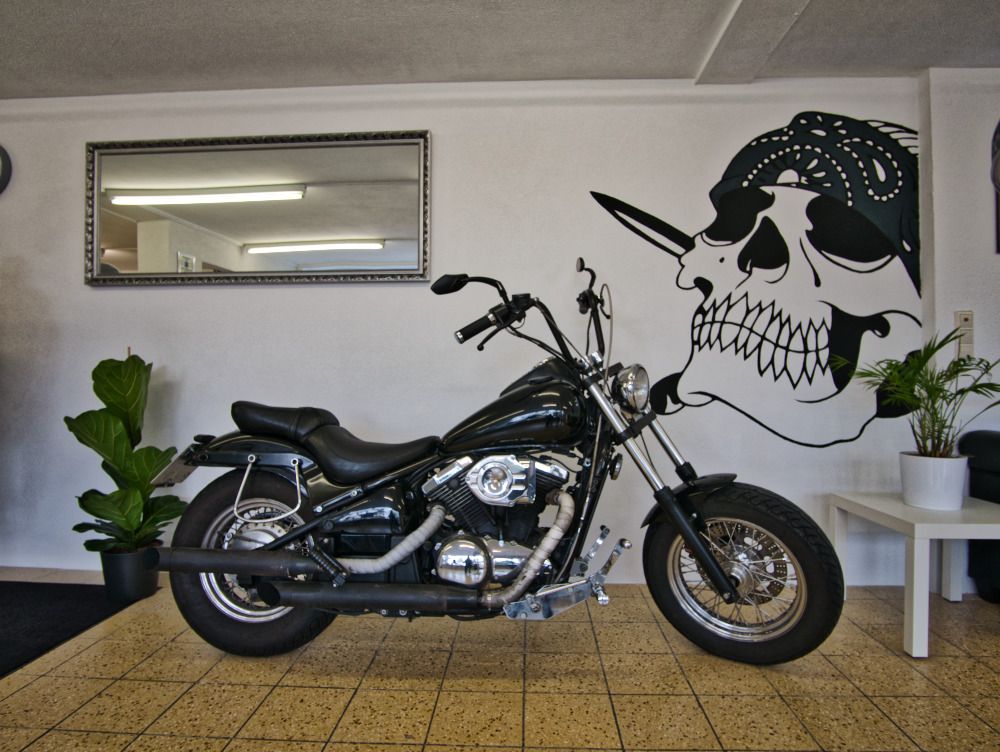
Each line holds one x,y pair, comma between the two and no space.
223,608
789,581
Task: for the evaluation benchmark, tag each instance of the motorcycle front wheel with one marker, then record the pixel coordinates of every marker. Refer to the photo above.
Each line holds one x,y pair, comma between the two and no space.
224,609
790,584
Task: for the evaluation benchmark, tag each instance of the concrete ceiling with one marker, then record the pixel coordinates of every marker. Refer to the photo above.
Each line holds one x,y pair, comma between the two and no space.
51,48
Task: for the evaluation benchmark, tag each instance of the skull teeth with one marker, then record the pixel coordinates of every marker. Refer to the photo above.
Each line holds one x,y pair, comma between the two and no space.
779,346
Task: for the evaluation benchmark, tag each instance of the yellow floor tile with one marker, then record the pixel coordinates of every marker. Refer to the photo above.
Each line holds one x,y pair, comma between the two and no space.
653,673
330,667
485,671
428,633
149,743
105,659
372,747
387,716
878,675
961,676
849,639
939,724
355,630
15,739
845,725
562,673
569,721
178,661
350,747
80,741
479,719
620,609
263,745
210,710
564,637
710,675
756,723
811,676
125,706
47,700
659,722
297,713
237,669
502,633
630,637
406,668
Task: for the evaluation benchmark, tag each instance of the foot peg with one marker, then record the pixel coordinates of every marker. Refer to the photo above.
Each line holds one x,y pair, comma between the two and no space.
555,599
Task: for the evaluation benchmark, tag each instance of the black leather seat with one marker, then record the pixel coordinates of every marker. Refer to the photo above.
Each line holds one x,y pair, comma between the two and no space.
345,458
292,423
342,456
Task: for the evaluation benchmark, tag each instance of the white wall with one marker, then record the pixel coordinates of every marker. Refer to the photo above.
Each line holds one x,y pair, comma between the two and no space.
511,170
963,110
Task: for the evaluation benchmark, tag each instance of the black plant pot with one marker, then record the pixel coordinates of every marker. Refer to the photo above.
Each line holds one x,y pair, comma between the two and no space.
126,576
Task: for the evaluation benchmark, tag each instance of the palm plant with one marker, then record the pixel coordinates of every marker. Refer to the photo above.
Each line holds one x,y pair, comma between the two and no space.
129,517
933,397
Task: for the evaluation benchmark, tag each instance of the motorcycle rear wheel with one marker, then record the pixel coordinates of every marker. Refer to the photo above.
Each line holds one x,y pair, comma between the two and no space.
223,609
787,574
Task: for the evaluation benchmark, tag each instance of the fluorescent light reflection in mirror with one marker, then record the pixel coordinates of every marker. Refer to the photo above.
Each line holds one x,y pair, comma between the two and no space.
322,245
231,195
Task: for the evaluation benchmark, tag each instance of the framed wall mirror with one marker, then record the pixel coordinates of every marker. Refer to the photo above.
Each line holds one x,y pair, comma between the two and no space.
257,210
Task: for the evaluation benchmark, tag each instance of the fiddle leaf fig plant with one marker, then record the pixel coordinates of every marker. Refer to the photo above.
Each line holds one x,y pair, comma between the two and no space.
933,396
130,517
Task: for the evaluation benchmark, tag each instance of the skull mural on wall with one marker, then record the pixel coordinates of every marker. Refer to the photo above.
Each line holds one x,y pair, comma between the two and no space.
810,267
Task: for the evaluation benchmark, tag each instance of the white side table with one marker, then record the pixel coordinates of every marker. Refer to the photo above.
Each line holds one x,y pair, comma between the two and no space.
976,519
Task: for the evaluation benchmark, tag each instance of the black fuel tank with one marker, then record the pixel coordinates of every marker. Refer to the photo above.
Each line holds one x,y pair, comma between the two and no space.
528,413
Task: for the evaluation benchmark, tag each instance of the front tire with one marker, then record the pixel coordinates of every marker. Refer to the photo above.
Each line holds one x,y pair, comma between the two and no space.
225,610
787,574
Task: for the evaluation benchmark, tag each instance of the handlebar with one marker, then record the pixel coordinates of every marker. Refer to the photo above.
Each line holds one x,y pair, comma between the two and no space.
513,309
500,316
469,331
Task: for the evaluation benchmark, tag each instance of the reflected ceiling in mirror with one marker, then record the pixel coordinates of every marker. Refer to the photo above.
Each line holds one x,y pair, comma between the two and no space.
306,208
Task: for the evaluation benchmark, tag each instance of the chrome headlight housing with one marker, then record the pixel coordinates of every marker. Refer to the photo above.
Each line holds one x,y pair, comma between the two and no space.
631,387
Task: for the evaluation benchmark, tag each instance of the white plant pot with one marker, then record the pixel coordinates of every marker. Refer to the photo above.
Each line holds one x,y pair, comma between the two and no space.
933,482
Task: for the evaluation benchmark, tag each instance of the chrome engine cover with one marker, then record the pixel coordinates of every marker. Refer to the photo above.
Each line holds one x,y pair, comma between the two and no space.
471,561
463,560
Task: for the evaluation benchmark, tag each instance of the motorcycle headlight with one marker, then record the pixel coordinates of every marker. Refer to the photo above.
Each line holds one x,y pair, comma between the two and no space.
631,386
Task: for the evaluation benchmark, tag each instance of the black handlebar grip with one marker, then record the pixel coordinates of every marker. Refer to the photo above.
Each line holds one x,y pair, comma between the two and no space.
477,326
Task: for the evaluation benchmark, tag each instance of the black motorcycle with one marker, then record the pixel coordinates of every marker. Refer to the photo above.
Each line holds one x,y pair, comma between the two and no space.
490,519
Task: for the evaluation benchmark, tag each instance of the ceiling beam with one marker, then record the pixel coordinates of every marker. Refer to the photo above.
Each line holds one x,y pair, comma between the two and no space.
752,32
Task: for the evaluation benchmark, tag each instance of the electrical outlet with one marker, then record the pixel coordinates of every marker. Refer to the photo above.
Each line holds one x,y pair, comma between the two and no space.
964,325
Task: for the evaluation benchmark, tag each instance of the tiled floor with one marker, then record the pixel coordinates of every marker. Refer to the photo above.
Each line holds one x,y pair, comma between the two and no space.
595,678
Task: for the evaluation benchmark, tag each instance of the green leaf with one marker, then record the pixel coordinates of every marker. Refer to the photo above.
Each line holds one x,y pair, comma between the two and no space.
145,464
99,544
122,507
104,432
123,386
162,509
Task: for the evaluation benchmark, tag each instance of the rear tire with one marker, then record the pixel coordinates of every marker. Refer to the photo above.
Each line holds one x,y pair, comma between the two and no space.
786,571
223,609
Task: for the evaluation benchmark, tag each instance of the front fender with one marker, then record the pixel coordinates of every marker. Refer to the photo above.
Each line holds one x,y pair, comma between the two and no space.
691,492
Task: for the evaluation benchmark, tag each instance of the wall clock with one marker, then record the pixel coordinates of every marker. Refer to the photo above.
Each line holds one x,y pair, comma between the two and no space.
4,168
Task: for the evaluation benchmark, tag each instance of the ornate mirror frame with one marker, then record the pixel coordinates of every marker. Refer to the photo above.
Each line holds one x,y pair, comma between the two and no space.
368,177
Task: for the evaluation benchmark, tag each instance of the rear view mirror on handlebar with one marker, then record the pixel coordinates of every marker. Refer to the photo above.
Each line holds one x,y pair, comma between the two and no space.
448,283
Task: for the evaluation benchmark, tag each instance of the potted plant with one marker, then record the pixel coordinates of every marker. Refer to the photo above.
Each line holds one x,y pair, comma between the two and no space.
129,518
933,397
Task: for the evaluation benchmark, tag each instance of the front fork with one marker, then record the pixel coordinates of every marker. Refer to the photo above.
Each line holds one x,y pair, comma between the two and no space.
686,520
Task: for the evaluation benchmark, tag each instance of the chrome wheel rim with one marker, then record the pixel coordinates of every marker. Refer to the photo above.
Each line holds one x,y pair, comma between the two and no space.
235,598
767,576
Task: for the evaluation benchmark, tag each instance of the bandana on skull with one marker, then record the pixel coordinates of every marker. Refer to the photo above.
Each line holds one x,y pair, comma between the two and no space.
870,167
